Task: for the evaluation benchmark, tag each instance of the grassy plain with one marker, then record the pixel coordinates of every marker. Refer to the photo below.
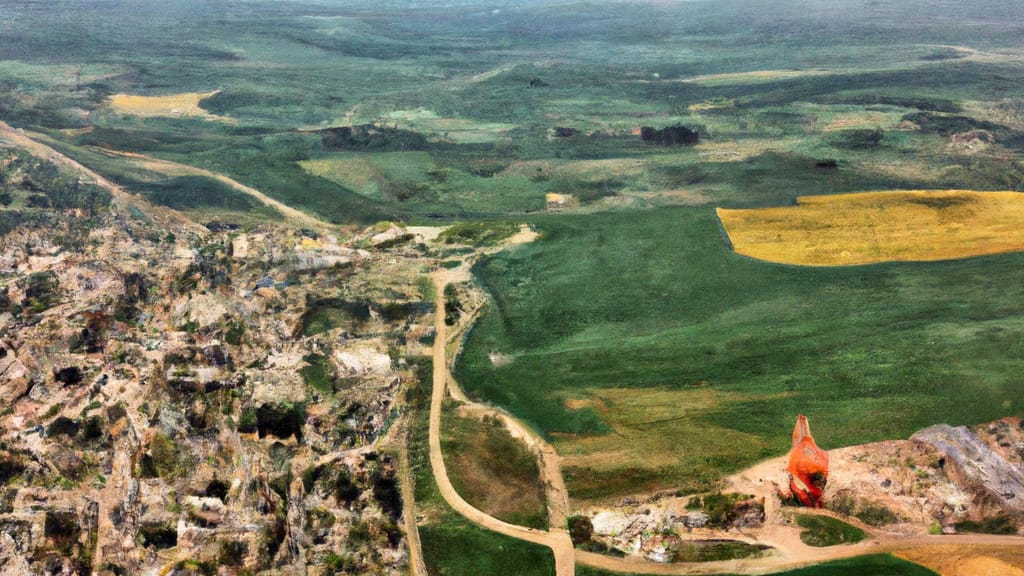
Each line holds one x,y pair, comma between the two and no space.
874,227
632,336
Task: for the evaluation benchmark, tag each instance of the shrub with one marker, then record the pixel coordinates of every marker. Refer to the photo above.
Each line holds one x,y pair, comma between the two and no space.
40,290
247,420
483,233
857,138
720,508
232,553
581,529
677,135
823,531
876,515
1001,524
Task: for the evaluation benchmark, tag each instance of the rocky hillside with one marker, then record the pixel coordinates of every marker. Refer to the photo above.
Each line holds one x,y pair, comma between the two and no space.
185,399
943,480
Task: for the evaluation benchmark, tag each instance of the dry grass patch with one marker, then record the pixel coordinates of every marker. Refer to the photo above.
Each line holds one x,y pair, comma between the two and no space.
870,227
184,105
753,77
657,435
865,119
493,471
577,170
743,149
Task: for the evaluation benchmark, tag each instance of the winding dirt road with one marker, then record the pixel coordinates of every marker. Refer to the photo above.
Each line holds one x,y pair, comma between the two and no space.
31,143
557,540
34,143
176,169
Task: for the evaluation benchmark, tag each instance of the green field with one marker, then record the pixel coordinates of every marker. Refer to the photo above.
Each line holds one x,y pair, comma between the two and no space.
660,305
824,531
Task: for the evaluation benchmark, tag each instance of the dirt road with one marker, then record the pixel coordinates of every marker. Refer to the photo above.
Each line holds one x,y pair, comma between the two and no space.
176,169
550,462
558,541
26,141
417,566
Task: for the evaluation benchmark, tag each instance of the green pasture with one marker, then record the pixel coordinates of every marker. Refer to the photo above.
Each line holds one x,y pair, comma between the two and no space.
661,305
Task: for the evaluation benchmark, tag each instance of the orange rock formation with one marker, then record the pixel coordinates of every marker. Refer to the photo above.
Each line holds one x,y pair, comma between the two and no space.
808,466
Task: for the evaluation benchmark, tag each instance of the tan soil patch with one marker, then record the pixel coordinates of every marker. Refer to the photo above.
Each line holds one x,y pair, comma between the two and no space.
183,105
961,560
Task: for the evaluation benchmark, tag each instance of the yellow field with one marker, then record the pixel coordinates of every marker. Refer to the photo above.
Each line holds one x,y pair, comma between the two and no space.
871,227
753,77
865,119
181,105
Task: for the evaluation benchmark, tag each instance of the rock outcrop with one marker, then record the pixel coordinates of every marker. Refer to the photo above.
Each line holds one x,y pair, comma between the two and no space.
808,466
163,416
971,462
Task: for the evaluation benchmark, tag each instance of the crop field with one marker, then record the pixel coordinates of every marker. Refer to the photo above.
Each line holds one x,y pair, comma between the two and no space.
876,227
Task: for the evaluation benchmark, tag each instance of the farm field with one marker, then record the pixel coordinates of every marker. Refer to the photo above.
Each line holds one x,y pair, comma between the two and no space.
873,227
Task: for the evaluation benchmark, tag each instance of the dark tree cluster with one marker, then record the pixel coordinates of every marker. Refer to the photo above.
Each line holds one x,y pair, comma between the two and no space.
372,138
677,135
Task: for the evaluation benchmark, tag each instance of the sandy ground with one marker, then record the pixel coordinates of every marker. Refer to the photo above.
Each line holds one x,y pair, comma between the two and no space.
181,105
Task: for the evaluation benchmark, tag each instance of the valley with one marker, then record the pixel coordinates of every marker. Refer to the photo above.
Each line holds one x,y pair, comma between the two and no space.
483,287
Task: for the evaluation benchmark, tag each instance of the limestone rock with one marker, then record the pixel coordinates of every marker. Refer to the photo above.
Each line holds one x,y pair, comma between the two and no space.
976,463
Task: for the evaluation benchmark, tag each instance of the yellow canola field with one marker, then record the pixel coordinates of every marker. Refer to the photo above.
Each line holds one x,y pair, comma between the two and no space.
870,227
181,105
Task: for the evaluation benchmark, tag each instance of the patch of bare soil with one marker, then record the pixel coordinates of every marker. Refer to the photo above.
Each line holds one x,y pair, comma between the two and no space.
969,560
